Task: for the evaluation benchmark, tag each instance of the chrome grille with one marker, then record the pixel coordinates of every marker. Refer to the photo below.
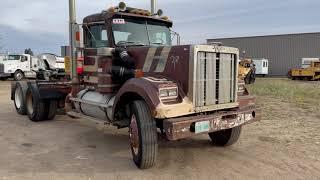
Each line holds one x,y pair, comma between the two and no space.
1,68
215,78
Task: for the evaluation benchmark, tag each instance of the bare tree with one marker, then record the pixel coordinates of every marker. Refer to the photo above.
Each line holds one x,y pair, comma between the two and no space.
28,51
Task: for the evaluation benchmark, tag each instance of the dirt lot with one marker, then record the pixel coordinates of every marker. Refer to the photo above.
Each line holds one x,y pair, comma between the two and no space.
285,144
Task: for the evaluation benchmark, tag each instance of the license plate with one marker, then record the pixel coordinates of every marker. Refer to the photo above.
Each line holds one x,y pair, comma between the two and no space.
203,126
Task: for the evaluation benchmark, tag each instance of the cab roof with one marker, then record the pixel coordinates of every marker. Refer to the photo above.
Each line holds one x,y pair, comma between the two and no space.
104,15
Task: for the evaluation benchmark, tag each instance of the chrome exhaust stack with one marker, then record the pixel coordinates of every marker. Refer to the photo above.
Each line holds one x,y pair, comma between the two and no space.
153,7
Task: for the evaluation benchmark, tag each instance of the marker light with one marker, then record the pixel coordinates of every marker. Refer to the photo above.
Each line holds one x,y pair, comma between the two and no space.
122,6
160,12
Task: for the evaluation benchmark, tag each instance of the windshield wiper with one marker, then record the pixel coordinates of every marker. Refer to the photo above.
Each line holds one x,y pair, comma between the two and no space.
157,43
130,43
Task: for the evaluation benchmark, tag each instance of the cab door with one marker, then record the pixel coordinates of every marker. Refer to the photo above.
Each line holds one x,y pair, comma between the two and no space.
25,63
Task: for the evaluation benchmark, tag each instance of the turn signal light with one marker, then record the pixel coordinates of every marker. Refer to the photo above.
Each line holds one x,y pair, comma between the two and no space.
138,73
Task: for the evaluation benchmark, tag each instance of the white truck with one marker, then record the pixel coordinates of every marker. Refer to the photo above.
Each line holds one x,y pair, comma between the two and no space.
27,66
262,66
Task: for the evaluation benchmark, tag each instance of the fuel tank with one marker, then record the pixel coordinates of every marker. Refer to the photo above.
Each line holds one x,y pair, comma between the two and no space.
95,104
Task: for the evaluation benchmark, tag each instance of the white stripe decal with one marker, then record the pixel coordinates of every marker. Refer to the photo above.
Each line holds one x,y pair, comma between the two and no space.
149,59
163,59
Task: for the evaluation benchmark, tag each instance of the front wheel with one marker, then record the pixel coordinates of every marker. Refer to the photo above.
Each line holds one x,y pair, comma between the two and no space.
143,135
226,137
18,75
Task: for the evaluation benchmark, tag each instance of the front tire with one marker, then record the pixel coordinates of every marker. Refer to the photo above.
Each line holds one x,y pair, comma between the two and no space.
143,135
18,75
226,137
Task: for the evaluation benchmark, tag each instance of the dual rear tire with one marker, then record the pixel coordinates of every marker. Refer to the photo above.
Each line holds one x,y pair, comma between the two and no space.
28,103
39,109
20,98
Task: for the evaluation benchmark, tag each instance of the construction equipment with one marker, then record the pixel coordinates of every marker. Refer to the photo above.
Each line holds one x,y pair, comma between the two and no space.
134,78
306,62
247,71
311,73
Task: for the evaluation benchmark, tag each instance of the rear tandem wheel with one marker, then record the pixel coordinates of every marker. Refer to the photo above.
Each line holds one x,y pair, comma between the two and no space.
39,109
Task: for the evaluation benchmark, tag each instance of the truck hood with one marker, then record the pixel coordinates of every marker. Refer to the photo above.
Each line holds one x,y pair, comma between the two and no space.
171,62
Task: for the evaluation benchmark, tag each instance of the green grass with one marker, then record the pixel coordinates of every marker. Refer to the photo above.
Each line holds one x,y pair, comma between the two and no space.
305,94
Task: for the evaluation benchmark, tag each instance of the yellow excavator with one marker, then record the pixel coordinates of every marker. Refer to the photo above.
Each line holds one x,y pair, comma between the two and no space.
311,73
247,71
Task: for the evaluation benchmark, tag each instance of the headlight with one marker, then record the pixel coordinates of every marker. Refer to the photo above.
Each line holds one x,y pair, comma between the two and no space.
168,93
163,93
172,92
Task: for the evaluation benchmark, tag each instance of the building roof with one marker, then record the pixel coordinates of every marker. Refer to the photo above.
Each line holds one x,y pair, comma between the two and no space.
261,36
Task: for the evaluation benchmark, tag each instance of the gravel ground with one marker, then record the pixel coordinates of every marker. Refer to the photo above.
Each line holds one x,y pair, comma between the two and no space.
285,144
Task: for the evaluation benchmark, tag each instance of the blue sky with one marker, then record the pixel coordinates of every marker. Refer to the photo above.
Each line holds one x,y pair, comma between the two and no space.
43,24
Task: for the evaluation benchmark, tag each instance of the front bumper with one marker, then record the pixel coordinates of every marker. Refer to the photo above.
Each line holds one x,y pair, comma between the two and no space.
180,128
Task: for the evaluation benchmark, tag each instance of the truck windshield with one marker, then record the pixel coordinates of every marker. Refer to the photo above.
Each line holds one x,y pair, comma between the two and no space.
13,57
129,32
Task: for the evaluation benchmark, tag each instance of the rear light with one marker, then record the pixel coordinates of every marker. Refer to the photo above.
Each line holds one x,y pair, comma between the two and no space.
78,36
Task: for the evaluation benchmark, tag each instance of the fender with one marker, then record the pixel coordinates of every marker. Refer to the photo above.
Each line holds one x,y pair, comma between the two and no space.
44,92
147,90
34,89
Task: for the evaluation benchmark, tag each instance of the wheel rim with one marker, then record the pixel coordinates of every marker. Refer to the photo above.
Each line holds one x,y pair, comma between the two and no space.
134,135
18,97
19,76
30,103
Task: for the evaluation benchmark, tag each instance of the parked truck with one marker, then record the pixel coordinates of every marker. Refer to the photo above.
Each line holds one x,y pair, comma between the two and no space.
18,66
26,66
134,78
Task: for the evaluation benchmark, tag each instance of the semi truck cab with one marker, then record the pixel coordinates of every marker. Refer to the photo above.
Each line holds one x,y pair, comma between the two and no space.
17,66
135,78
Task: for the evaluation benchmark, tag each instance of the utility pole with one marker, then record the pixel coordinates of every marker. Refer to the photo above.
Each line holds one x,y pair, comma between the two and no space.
153,7
72,36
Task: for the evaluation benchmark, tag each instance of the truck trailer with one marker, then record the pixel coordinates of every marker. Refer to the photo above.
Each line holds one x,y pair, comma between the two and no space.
261,66
134,78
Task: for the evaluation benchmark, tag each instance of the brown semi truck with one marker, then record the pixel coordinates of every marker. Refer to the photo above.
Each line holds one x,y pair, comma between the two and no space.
135,78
